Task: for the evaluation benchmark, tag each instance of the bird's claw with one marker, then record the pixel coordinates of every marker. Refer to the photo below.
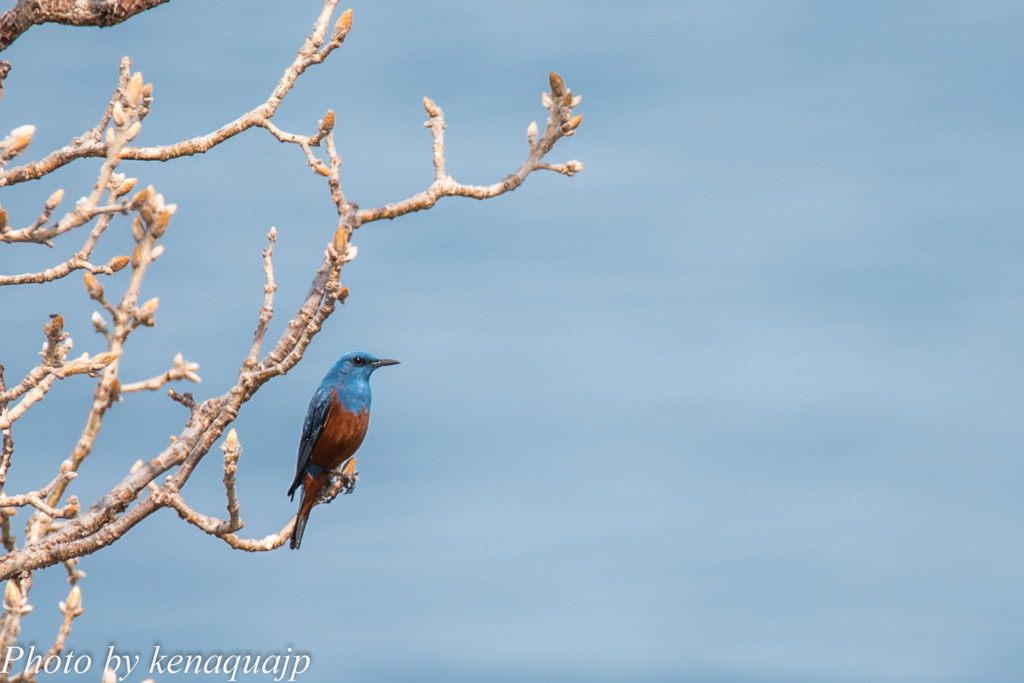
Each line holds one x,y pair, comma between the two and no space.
342,481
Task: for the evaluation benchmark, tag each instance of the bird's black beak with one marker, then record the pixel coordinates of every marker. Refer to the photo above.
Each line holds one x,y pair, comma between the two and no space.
382,362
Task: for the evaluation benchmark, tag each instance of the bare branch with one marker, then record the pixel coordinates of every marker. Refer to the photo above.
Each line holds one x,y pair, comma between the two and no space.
310,53
110,517
267,312
211,525
35,498
90,144
71,609
6,452
124,506
232,451
5,68
561,123
102,13
38,381
15,607
128,121
182,370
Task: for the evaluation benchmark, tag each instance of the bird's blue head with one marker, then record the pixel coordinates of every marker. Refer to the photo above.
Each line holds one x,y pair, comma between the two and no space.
350,378
357,366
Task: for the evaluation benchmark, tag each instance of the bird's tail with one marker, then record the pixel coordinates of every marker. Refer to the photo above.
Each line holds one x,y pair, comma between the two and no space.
311,487
300,527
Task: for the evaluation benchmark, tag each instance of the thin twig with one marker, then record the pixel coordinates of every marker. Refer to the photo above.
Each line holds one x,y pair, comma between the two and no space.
561,123
267,312
182,369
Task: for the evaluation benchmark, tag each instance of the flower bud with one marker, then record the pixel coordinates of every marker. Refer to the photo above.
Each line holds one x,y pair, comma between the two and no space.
327,125
54,200
3,219
531,132
341,240
139,200
134,90
344,24
138,229
162,219
136,257
74,598
12,595
545,99
431,108
157,251
93,287
17,141
572,124
144,315
133,130
104,359
350,467
98,322
557,84
118,114
110,137
117,263
54,327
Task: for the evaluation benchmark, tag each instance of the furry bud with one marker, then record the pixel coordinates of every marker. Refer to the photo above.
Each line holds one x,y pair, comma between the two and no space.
54,200
343,26
327,125
134,90
117,263
557,84
93,287
572,124
74,598
138,229
431,108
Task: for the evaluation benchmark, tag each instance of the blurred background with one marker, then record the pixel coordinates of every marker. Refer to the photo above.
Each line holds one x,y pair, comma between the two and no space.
739,403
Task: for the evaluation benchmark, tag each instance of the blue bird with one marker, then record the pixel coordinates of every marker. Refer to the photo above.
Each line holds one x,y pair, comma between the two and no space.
335,425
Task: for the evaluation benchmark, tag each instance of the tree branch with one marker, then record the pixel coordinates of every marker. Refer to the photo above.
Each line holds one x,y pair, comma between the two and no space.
310,53
102,13
561,123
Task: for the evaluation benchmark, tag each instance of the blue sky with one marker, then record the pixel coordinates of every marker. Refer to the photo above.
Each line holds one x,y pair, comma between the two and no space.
740,402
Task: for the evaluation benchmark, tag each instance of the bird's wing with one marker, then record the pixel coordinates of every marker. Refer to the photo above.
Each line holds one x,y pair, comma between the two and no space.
316,418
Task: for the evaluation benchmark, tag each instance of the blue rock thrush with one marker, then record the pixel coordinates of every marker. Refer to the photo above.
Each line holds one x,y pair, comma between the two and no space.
335,425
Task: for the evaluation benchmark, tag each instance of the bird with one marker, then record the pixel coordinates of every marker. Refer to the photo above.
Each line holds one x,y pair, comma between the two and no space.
335,425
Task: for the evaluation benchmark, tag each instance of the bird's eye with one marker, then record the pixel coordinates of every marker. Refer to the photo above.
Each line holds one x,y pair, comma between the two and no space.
358,360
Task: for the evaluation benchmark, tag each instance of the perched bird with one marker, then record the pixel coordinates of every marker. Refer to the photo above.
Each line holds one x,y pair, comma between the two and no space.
335,425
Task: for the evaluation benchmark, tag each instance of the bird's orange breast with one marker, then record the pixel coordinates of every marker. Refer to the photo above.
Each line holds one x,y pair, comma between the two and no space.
341,435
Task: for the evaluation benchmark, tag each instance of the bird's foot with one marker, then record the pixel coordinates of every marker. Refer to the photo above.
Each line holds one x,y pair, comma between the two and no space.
342,481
